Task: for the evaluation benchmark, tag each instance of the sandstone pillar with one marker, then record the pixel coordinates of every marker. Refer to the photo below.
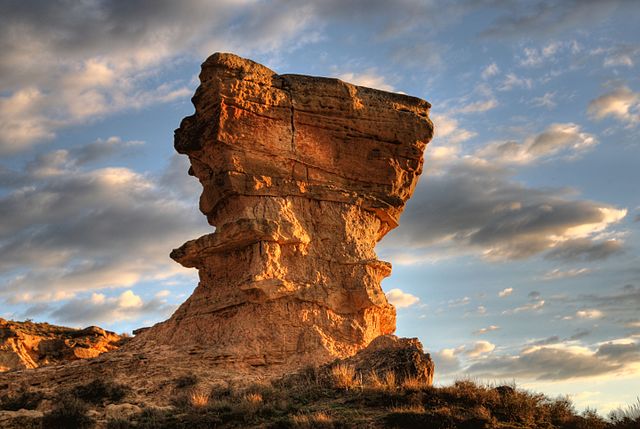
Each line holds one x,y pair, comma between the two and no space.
301,177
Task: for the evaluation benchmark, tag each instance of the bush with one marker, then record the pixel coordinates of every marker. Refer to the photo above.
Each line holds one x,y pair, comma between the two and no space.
23,398
185,381
98,392
70,412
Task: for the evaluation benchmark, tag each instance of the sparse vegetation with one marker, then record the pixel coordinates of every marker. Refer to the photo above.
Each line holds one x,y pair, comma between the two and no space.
99,391
23,398
330,399
69,412
186,381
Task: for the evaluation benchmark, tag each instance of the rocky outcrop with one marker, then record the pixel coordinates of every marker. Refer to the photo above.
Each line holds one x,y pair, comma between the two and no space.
26,345
301,177
403,357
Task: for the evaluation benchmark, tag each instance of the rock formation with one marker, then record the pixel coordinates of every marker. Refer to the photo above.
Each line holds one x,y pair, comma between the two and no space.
31,345
301,177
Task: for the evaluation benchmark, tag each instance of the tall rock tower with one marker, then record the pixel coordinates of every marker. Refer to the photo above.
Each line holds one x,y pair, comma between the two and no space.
301,177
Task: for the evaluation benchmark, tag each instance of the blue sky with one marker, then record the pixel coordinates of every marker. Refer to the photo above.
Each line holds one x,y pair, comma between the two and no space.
517,257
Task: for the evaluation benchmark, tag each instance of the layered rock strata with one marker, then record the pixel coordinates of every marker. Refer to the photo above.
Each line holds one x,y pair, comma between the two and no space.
301,177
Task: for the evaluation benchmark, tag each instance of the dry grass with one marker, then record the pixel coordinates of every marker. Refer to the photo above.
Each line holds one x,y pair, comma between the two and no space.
414,409
413,384
318,419
199,399
343,376
253,398
389,380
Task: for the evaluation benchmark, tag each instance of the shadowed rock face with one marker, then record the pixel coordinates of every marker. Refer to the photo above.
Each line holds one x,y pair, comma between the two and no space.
301,177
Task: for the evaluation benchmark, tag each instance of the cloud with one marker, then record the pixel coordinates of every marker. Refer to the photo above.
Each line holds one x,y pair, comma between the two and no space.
545,100
446,360
478,106
556,139
551,362
485,330
512,81
541,18
534,57
583,249
75,228
490,71
480,348
448,131
368,78
557,273
532,306
505,292
99,58
622,55
622,104
99,309
623,303
401,299
469,205
589,314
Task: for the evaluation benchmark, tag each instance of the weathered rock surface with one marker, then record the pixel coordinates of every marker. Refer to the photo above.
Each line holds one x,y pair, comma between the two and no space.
404,357
301,177
30,345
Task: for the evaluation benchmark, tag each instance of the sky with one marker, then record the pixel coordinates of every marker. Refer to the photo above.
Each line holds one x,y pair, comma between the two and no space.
516,260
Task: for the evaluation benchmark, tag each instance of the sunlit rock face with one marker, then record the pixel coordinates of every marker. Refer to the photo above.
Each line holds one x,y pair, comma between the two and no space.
301,177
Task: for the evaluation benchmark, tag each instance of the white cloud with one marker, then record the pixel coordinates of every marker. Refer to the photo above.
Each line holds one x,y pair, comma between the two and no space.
512,81
478,106
448,130
622,104
557,273
505,292
546,100
163,293
535,57
103,310
369,78
401,299
532,306
489,71
485,330
480,348
589,314
562,138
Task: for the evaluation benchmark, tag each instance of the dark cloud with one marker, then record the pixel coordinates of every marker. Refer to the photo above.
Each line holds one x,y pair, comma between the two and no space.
543,18
546,341
585,250
580,334
556,363
474,205
620,352
85,229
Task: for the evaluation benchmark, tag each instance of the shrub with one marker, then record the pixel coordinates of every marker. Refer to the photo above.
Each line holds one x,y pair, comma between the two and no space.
23,398
70,412
99,391
185,381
